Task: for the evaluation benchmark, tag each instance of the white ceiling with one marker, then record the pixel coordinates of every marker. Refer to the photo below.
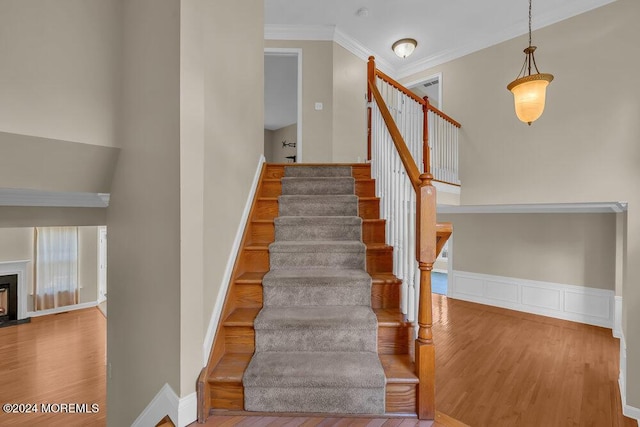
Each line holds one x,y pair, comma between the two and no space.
444,29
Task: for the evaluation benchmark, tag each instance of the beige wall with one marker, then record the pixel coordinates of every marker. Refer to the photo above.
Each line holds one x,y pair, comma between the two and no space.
585,146
54,165
268,145
192,111
143,327
317,86
573,249
59,74
32,216
234,90
278,152
349,107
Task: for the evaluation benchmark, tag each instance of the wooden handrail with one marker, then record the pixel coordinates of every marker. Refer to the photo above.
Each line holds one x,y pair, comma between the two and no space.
444,116
398,86
411,95
404,153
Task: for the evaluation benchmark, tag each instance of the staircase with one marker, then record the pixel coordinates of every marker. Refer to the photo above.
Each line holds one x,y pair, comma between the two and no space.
316,347
299,280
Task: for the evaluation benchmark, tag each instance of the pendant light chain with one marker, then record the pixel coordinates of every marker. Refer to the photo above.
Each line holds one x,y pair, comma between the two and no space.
530,22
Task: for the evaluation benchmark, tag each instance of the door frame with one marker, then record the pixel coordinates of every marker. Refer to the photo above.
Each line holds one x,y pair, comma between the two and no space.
427,78
297,52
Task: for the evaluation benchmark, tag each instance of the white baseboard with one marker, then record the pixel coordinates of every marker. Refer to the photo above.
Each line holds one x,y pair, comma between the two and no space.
217,309
166,402
568,302
62,309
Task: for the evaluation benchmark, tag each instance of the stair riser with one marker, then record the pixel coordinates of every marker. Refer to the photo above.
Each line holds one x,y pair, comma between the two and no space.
317,208
247,296
399,398
318,186
308,295
266,209
393,340
385,295
363,188
239,339
318,232
255,260
317,171
369,208
309,399
372,232
350,260
382,296
227,396
358,171
316,340
379,261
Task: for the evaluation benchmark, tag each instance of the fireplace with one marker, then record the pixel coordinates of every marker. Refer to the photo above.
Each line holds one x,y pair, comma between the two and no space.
8,299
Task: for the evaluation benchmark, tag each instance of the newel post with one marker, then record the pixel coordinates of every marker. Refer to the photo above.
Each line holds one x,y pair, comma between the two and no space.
426,254
371,79
426,151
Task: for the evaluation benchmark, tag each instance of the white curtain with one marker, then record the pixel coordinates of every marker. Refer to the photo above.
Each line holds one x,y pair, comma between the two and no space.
56,267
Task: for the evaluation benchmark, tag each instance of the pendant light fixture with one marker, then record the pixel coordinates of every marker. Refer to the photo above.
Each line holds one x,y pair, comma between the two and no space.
529,90
404,47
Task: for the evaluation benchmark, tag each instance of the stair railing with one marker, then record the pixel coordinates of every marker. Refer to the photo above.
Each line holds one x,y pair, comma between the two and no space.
400,163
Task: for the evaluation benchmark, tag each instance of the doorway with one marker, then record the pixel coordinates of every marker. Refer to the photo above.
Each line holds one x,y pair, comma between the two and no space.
283,105
430,86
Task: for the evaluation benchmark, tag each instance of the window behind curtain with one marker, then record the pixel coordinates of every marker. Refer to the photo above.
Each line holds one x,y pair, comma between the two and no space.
56,267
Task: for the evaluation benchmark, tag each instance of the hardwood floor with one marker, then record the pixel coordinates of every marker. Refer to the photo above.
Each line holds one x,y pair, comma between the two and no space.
56,359
495,367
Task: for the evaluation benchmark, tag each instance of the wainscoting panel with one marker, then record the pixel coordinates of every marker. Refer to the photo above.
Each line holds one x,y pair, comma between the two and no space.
569,302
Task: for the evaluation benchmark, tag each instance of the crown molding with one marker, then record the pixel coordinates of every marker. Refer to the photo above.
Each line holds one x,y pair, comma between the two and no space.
28,197
563,11
359,50
593,207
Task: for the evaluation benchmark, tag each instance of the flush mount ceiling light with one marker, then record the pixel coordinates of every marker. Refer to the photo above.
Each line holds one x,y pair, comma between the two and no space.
404,47
529,90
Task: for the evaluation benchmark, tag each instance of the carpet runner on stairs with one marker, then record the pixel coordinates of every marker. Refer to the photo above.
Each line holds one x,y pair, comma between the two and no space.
316,335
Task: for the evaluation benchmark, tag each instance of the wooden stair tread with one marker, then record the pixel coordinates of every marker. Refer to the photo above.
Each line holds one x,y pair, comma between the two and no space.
391,317
231,368
251,277
242,317
385,278
398,368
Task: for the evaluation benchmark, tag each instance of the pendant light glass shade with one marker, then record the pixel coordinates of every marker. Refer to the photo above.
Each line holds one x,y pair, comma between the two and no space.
404,47
529,94
529,90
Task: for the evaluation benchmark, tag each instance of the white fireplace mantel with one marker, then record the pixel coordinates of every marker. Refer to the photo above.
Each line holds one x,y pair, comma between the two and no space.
21,269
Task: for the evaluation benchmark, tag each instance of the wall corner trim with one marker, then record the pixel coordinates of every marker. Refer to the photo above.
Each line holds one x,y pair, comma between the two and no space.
617,317
627,410
233,254
182,411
